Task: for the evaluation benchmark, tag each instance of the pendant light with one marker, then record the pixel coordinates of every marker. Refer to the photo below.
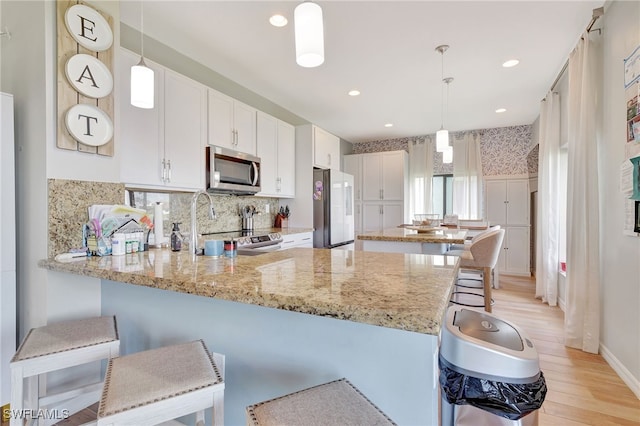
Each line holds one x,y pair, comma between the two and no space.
142,84
309,34
442,135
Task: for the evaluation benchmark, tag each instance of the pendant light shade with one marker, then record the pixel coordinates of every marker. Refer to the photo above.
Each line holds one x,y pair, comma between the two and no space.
142,85
447,155
442,140
309,34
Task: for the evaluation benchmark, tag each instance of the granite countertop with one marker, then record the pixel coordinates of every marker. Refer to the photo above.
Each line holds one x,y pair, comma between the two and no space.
444,235
394,290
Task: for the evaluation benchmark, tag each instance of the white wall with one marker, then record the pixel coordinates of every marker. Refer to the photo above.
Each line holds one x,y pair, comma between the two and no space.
620,264
28,71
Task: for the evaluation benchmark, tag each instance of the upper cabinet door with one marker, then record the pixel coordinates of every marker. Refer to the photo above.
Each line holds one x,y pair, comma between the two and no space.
496,191
221,130
372,177
185,122
232,124
244,120
141,132
393,173
518,202
286,160
267,150
326,149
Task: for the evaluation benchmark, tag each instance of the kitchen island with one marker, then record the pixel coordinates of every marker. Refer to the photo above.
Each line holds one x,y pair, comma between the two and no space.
289,319
407,240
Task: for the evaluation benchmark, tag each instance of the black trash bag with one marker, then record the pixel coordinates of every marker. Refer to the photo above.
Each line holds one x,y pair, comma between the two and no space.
509,400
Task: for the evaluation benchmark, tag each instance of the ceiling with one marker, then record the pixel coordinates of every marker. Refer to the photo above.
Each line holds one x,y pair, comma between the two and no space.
386,50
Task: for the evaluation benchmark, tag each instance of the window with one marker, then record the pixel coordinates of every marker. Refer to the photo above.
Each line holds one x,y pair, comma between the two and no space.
442,194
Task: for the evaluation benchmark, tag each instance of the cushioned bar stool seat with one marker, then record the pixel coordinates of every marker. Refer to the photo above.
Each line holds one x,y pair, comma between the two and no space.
333,403
158,385
55,347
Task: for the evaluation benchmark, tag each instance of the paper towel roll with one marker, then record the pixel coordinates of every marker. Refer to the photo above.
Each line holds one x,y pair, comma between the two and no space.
158,227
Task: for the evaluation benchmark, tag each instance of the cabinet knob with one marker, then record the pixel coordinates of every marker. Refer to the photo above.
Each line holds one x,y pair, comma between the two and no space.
169,173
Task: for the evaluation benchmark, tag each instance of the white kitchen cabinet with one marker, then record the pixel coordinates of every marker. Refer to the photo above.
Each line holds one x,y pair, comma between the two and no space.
381,186
276,149
185,131
384,175
507,201
326,149
303,239
140,130
514,258
232,124
160,146
507,205
377,216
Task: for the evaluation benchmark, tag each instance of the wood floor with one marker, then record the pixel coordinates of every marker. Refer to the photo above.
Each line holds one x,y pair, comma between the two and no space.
582,388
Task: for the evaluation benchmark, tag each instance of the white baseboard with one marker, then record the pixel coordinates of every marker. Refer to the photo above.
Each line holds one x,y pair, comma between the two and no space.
625,375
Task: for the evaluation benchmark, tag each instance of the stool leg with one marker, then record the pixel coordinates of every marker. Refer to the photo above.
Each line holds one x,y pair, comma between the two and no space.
200,418
218,409
486,278
17,396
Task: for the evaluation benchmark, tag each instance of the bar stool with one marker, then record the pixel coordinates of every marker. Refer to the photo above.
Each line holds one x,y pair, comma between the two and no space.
482,256
159,385
55,347
465,276
333,403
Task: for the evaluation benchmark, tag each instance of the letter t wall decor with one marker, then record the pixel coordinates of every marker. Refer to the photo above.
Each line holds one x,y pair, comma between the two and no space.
85,78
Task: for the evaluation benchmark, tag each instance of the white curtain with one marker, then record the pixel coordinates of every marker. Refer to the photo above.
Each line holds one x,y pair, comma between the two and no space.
582,316
467,176
548,231
420,175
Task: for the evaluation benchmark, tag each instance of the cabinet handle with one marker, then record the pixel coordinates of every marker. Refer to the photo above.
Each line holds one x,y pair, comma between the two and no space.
381,210
382,192
358,193
169,174
164,171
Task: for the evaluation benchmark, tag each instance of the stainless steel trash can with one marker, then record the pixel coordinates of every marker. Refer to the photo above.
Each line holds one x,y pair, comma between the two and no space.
489,371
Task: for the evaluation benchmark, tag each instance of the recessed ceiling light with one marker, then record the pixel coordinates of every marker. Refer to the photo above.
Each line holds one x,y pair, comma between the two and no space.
388,125
511,63
500,110
354,92
278,21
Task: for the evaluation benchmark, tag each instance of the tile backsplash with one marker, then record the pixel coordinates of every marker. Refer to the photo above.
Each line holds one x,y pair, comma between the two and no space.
69,200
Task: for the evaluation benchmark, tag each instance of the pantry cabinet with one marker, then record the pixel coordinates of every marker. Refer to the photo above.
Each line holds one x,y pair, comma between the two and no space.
276,149
232,124
381,189
507,205
160,146
377,216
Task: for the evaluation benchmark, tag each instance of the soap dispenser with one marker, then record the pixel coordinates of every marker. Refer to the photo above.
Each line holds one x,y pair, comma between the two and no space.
176,237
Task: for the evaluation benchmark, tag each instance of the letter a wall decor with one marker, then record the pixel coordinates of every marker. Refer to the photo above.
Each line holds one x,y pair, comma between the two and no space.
85,78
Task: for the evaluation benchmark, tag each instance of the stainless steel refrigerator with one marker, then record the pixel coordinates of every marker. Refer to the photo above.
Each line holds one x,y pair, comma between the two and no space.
333,219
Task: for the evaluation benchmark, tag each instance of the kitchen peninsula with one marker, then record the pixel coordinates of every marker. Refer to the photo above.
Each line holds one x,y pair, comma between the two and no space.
289,319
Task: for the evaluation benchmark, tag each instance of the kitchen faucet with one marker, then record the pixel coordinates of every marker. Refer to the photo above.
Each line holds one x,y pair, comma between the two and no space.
194,222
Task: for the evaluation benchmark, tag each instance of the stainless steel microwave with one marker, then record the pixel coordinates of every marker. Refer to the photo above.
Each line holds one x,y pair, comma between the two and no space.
232,172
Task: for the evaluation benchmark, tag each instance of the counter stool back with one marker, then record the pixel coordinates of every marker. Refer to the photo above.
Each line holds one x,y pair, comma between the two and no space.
483,256
55,347
159,385
333,403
